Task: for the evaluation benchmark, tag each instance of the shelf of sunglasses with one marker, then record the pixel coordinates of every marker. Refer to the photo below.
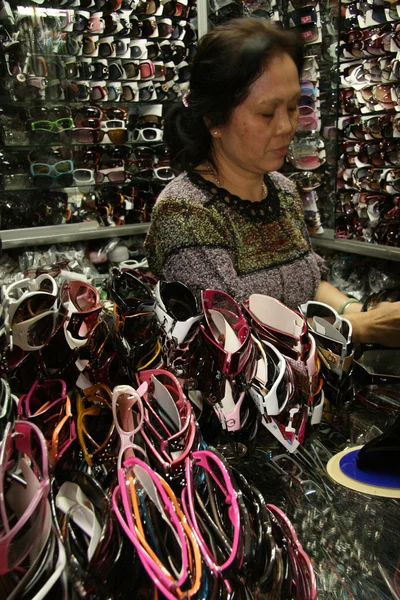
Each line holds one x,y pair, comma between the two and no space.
74,232
328,241
370,127
86,187
369,43
77,146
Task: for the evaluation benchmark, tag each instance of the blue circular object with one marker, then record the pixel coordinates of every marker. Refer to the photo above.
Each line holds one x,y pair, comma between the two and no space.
348,464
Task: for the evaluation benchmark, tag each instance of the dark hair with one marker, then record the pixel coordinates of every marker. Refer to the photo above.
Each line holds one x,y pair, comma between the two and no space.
227,61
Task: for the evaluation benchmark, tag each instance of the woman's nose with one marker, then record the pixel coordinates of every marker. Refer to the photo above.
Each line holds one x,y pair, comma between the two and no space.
287,123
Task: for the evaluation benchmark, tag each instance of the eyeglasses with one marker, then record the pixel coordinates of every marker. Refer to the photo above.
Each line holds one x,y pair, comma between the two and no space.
22,531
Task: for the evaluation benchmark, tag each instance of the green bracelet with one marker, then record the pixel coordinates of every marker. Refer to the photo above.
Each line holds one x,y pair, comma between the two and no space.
345,304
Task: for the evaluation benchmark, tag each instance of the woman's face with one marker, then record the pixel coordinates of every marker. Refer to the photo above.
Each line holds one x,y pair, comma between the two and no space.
257,136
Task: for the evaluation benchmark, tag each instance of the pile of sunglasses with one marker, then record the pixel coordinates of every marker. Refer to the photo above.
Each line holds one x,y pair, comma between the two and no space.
130,529
239,369
369,157
101,421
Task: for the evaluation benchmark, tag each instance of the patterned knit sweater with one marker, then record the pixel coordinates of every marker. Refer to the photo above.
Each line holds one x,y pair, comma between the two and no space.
206,237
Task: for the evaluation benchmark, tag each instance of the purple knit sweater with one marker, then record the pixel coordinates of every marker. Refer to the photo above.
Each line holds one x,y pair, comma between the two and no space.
208,238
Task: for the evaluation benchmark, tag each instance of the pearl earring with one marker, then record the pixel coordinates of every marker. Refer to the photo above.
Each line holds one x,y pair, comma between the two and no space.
215,132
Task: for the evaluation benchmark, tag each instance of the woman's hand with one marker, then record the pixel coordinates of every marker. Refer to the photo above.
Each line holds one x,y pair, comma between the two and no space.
380,325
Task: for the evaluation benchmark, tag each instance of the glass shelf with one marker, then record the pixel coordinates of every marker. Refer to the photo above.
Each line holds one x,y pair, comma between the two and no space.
56,234
328,241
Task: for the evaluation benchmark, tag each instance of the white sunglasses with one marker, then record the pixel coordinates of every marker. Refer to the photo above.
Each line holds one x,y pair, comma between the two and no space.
271,391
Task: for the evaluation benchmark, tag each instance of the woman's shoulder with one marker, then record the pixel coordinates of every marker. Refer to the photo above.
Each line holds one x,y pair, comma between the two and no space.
181,191
282,183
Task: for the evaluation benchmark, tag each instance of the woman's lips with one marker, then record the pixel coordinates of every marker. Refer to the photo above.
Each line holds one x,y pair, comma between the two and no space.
281,151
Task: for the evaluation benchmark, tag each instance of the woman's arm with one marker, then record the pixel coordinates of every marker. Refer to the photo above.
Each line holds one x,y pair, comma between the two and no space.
378,326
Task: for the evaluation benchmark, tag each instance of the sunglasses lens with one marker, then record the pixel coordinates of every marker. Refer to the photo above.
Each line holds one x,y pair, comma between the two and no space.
41,331
85,136
83,175
116,176
105,50
126,414
118,136
32,307
164,173
83,297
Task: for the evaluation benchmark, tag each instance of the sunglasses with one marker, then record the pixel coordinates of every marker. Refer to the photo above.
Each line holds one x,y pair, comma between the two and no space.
226,333
148,132
81,303
130,294
83,518
302,570
287,330
48,406
58,126
169,429
22,529
272,386
177,309
167,568
378,127
31,307
8,406
208,463
137,328
128,421
94,135
95,425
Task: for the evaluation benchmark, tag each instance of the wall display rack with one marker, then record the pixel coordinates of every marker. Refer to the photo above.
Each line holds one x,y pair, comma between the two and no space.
368,76
83,94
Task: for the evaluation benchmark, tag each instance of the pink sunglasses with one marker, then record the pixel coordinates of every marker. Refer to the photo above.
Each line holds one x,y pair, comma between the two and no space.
302,569
214,467
127,424
169,427
28,502
132,478
48,406
222,312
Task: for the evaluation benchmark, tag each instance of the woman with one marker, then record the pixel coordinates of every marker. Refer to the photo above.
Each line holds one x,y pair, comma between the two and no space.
229,221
